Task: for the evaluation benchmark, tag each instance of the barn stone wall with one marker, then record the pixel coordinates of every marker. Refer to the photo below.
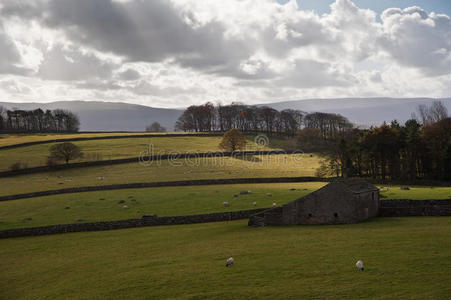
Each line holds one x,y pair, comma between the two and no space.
387,208
347,207
410,208
366,205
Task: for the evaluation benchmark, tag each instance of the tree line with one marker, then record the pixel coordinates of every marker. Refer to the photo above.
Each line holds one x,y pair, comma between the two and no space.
35,121
246,118
420,148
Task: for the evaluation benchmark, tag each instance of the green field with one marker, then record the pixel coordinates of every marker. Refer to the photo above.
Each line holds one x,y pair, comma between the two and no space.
36,155
405,258
181,169
167,201
415,192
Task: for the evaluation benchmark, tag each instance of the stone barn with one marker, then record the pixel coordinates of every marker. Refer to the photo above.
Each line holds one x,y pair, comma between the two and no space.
340,202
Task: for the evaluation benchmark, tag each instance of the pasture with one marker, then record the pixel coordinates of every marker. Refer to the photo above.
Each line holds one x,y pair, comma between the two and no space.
405,258
163,201
170,201
165,170
415,192
36,155
17,138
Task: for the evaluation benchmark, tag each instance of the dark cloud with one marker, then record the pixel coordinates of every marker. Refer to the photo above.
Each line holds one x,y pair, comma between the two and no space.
10,58
141,31
129,74
71,64
145,88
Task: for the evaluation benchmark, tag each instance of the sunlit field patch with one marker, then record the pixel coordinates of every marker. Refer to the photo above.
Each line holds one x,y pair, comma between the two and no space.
165,170
163,201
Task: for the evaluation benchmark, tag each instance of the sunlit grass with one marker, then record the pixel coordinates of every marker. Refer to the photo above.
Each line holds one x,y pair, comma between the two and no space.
163,201
164,170
36,155
19,138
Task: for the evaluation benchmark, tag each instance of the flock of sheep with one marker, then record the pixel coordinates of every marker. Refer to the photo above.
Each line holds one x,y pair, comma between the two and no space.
227,204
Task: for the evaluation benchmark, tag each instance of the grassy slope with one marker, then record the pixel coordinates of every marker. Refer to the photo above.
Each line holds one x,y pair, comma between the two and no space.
405,258
258,166
12,139
170,201
36,155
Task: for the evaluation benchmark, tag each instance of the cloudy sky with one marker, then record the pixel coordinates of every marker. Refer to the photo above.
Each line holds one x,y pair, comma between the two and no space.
171,53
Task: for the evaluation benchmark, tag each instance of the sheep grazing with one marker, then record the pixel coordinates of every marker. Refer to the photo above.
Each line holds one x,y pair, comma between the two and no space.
226,204
229,262
274,204
254,203
359,265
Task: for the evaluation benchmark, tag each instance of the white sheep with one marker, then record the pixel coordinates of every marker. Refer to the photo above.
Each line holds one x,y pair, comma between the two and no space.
254,203
274,204
359,265
229,262
226,204
125,207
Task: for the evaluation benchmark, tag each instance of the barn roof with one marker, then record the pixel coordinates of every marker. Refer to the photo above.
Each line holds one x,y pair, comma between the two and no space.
358,186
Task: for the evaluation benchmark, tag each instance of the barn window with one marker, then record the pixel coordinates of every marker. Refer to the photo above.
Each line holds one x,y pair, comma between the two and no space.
335,215
309,215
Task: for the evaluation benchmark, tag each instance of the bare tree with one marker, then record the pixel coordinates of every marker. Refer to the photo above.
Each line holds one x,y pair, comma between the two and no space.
438,111
65,151
433,114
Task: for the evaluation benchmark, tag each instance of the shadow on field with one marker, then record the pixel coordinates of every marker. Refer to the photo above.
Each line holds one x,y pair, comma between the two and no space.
248,157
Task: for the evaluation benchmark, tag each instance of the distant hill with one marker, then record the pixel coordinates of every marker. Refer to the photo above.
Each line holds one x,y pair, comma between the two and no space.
109,116
363,111
117,116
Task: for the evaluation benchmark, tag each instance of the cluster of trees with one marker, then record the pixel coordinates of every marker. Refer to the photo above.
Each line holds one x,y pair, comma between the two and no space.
155,127
37,120
207,117
421,148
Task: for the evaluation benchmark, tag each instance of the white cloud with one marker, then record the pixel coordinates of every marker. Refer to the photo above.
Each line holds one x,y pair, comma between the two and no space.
177,52
417,39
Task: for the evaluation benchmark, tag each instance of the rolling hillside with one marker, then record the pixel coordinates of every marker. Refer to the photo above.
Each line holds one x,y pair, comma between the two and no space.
363,111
